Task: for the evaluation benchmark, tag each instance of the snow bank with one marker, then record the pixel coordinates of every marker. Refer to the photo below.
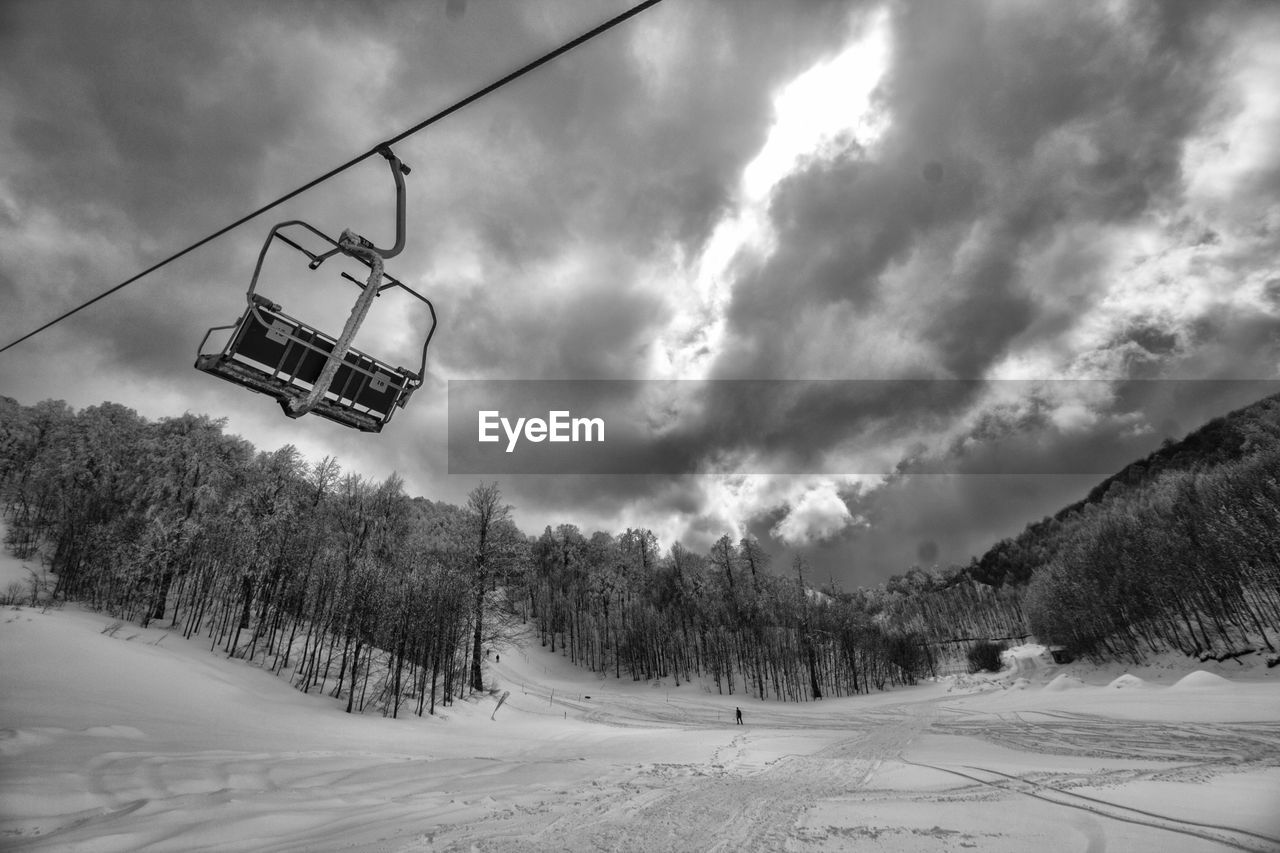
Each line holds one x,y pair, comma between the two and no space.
1200,680
1026,660
1127,680
1064,682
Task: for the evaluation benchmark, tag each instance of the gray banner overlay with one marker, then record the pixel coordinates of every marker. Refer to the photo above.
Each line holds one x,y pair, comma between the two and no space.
876,427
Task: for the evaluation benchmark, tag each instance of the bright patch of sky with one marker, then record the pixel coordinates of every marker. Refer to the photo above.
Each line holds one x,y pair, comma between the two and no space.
815,116
817,514
815,506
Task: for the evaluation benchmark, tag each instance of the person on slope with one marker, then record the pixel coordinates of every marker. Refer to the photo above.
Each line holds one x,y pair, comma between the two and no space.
737,714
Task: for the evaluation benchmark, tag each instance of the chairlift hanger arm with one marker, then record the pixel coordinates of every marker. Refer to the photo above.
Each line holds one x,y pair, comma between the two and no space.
398,171
362,245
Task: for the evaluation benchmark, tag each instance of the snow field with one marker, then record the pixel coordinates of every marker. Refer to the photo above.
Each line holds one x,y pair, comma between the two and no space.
142,741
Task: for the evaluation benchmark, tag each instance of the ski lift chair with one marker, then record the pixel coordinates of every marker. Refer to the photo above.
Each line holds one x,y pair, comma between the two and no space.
303,368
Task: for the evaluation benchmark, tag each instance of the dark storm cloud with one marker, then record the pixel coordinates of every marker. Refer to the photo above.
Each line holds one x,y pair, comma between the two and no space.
139,127
646,133
157,110
791,424
839,225
1152,339
596,327
184,115
610,497
938,520
1271,290
143,126
623,149
1041,117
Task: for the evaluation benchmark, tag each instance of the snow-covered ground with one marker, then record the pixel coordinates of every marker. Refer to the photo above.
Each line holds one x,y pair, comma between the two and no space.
138,740
16,575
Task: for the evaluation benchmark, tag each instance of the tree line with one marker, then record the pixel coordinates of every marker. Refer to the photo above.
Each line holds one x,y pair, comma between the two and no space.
351,587
617,606
391,603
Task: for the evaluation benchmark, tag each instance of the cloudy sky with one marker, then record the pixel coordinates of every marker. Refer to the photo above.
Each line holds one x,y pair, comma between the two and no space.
1024,219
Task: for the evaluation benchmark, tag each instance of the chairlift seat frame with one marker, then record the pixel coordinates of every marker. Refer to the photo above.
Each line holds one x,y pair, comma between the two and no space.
273,353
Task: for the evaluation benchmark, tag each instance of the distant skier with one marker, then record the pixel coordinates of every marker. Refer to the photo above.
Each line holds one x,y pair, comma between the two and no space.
737,713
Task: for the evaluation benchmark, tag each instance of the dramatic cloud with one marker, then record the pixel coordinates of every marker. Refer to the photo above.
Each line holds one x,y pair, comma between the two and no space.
939,264
820,513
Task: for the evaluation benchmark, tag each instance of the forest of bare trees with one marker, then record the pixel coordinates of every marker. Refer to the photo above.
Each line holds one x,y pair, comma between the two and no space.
341,584
618,607
391,603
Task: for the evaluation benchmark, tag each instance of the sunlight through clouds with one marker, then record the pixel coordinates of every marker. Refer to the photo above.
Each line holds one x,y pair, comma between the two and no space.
829,101
815,116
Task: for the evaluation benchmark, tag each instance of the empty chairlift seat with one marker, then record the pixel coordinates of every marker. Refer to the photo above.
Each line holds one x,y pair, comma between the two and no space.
272,353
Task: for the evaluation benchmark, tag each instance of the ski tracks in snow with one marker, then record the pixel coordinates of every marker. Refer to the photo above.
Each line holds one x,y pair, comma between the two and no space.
1069,733
1233,837
748,796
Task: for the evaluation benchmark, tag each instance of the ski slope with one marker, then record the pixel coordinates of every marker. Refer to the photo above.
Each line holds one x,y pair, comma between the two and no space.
136,740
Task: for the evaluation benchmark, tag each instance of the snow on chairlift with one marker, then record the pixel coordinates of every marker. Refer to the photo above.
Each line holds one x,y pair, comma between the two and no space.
303,368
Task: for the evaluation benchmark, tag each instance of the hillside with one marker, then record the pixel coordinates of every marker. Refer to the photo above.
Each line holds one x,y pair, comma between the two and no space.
1176,551
1238,435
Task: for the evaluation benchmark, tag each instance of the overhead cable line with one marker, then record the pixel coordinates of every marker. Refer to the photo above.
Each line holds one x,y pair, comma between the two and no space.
447,111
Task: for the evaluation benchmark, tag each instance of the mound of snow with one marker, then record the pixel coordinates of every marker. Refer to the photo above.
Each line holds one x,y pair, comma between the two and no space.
1201,679
1127,680
1024,660
1064,682
972,684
